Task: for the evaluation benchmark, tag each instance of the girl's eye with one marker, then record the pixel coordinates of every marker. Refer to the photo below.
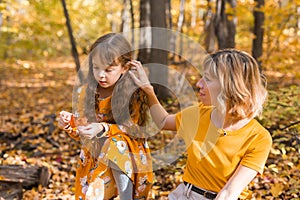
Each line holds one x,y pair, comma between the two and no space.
95,67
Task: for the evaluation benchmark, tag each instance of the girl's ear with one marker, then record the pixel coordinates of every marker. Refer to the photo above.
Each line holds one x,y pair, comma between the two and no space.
126,67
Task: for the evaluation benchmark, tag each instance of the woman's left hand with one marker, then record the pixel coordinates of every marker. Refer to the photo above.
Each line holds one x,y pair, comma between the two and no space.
90,130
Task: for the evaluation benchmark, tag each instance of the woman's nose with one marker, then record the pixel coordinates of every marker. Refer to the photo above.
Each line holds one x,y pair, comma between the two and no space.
200,84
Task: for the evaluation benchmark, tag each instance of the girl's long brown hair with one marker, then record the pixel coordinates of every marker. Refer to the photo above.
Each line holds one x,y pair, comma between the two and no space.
129,103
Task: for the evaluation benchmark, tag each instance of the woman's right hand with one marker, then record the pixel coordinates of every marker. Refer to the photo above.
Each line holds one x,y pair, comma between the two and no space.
64,119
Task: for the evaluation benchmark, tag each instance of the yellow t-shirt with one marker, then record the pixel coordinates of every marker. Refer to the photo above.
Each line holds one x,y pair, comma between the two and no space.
212,156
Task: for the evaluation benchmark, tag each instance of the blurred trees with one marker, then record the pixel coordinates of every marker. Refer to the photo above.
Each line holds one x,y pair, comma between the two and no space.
225,23
35,29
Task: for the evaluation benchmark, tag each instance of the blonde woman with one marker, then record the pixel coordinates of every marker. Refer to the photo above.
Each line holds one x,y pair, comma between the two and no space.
226,146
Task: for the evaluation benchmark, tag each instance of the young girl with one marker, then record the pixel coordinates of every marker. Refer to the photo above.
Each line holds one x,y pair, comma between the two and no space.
116,159
226,146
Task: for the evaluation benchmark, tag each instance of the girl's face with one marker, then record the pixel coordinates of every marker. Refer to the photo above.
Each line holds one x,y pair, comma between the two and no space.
107,76
209,89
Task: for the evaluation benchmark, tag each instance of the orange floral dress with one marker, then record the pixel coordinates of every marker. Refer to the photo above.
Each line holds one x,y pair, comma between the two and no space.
94,179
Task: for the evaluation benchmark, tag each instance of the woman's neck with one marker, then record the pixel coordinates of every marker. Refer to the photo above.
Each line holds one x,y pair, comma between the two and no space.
226,122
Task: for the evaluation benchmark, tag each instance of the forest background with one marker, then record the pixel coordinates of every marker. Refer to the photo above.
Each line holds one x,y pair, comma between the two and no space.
40,55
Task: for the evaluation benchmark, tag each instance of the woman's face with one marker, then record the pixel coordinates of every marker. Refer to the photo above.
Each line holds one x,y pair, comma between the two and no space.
209,89
107,76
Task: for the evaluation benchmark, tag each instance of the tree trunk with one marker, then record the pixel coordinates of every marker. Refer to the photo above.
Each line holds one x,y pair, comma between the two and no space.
145,32
170,27
125,25
180,25
169,14
159,57
298,18
73,43
16,177
132,22
225,25
193,13
7,35
209,29
259,17
10,190
1,17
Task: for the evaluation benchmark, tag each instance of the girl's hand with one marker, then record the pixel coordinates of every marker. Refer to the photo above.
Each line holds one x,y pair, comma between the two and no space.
91,130
65,119
140,78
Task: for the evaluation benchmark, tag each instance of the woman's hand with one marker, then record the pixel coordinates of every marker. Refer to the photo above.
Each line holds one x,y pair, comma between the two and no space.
140,78
65,119
91,130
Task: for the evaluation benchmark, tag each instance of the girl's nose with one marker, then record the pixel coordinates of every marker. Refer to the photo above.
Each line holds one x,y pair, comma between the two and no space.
102,73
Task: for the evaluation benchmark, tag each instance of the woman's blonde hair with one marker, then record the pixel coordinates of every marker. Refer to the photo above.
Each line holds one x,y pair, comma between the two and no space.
243,86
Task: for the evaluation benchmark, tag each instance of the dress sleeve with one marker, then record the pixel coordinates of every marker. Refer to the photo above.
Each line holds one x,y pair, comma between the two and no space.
72,132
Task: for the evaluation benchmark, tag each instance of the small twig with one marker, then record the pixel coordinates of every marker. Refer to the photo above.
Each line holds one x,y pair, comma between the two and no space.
290,125
276,128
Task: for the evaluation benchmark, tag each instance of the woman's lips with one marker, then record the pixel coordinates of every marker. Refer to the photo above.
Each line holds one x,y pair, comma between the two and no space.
201,94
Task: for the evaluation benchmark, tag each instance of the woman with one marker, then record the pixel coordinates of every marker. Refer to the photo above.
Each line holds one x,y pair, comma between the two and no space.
226,147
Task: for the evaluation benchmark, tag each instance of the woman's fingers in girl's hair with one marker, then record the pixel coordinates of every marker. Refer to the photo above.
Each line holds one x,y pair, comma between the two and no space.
135,65
141,78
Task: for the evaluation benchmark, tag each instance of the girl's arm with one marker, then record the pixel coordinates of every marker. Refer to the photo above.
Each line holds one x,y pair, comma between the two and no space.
95,129
237,183
160,116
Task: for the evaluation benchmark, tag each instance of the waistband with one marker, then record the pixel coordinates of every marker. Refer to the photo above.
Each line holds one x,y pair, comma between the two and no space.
206,194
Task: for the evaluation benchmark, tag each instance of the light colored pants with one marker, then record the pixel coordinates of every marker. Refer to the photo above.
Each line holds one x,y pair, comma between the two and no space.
184,192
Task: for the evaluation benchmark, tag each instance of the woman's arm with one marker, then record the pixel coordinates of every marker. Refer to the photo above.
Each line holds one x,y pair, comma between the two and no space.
237,183
160,116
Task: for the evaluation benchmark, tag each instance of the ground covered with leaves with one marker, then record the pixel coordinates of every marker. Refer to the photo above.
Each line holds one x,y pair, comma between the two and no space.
33,94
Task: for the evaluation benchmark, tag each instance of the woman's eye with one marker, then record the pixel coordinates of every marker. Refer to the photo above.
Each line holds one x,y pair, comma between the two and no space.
206,79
